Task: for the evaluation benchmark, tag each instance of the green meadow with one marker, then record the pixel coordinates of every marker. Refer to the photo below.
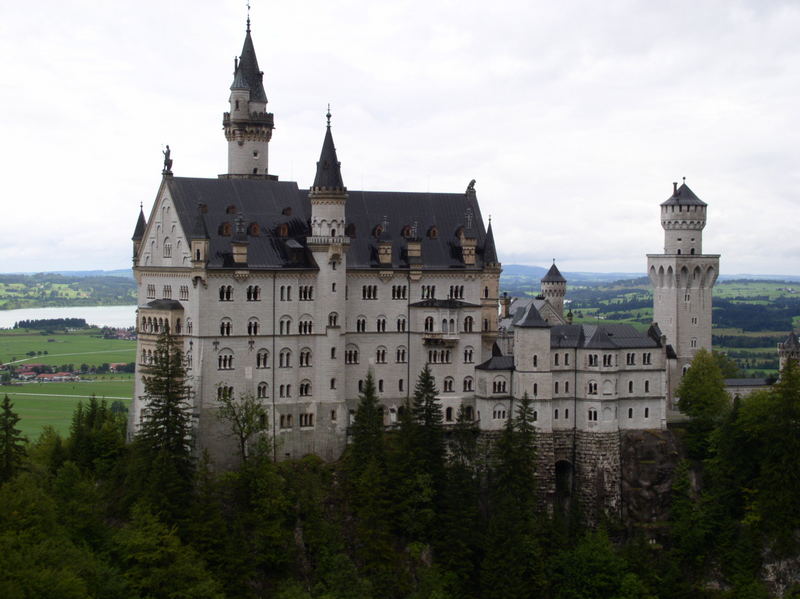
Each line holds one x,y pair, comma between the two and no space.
80,347
40,404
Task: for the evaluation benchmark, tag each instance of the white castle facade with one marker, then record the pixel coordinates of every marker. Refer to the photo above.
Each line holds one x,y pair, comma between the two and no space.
294,295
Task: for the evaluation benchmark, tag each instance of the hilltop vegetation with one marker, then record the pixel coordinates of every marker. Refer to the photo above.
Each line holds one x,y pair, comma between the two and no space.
411,513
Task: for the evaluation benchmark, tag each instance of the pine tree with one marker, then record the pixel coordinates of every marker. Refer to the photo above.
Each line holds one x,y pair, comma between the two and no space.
512,566
12,443
163,466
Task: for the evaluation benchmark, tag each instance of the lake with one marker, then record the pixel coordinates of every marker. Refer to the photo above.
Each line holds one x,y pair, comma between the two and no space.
102,316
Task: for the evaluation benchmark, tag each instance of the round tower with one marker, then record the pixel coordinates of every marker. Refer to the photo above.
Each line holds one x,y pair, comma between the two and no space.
554,288
789,350
248,126
683,218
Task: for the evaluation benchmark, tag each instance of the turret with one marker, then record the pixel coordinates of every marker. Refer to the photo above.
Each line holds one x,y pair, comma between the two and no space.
328,195
248,126
138,234
554,288
683,217
789,350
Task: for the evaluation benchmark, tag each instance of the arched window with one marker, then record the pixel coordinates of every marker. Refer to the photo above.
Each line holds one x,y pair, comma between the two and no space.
429,324
225,327
448,415
448,384
361,324
285,358
381,324
333,319
647,386
262,391
252,327
262,359
401,324
400,355
225,360
469,323
467,383
380,355
468,354
469,414
305,388
305,357
285,325
226,293
351,354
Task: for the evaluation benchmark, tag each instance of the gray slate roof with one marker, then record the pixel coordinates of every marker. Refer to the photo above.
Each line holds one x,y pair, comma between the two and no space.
272,203
553,276
606,336
529,317
165,304
248,75
683,196
497,363
490,252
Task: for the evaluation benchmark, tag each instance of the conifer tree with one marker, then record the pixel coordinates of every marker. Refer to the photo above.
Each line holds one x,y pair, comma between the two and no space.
163,466
512,564
12,443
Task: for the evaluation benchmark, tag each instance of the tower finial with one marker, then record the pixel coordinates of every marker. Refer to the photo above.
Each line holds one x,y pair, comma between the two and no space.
328,114
248,16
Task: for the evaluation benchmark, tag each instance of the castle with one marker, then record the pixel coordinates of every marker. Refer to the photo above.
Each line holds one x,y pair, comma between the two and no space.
294,295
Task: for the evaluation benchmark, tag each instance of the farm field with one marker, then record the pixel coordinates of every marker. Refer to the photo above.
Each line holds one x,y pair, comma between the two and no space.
40,404
51,289
80,347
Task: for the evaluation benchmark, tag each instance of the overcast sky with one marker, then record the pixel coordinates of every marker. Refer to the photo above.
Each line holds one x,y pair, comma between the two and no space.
573,117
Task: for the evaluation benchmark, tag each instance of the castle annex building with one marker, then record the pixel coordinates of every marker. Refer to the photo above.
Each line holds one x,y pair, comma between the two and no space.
294,295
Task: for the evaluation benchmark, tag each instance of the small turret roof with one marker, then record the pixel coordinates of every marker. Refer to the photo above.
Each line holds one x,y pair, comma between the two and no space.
329,172
683,196
248,75
141,224
553,276
489,251
529,317
791,342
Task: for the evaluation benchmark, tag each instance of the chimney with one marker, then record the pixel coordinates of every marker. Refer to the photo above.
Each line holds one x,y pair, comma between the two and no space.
505,303
674,188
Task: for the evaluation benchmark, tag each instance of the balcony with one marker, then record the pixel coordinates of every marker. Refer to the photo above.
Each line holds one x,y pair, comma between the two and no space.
443,339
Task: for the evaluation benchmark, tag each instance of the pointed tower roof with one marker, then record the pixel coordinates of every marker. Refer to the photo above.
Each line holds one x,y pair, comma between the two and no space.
248,75
683,196
138,232
329,172
791,343
489,251
529,318
553,276
199,230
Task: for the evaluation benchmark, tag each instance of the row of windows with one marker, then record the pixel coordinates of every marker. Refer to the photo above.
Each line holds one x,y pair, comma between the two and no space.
399,292
499,413
151,324
448,385
166,292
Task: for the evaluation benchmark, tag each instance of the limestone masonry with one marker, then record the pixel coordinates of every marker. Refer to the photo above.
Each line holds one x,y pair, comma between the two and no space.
294,295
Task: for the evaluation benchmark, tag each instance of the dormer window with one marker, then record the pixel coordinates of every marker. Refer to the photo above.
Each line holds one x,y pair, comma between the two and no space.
254,230
406,232
433,233
283,230
378,231
225,229
230,209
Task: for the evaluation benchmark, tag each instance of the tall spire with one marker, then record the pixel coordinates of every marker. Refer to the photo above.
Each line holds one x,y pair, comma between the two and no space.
489,251
329,173
248,75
